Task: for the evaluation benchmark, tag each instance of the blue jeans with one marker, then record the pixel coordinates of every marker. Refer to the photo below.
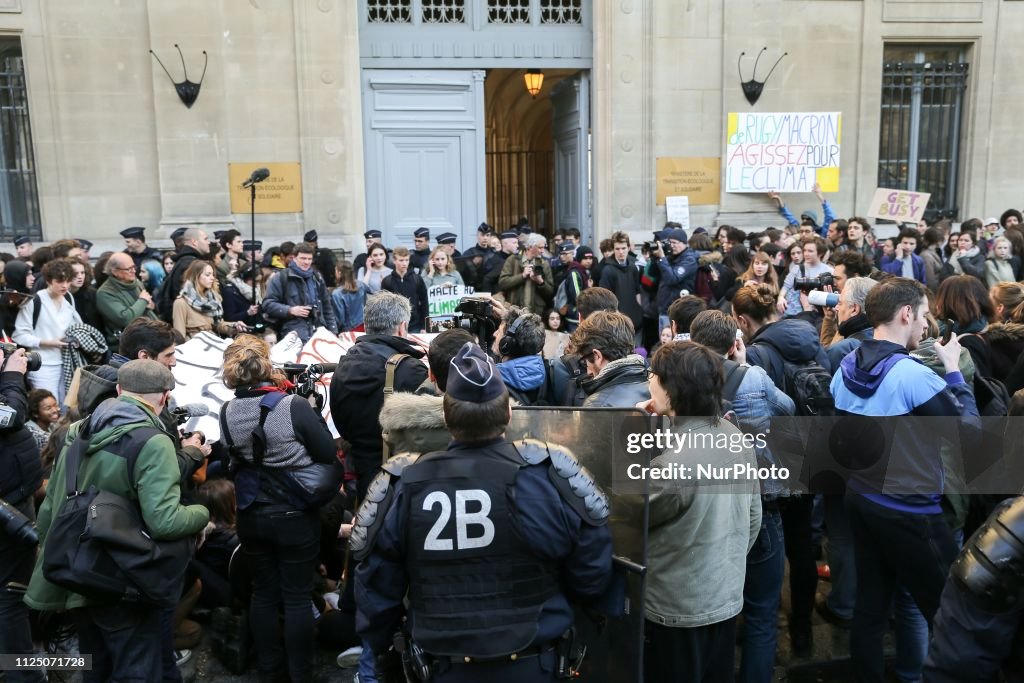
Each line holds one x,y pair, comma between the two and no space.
911,637
762,590
841,561
125,642
283,548
895,550
367,665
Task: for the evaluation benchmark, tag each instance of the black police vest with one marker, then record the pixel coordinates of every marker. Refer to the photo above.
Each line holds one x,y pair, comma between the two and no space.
475,588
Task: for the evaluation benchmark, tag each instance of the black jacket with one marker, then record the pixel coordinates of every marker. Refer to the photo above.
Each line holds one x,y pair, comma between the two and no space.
182,260
85,304
789,339
325,263
412,288
492,267
624,281
357,394
21,473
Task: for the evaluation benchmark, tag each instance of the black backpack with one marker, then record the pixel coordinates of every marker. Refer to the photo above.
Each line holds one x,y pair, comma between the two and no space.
807,383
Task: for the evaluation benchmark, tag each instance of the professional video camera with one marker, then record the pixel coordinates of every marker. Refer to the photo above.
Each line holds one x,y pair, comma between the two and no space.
14,524
809,284
475,314
655,245
35,361
305,378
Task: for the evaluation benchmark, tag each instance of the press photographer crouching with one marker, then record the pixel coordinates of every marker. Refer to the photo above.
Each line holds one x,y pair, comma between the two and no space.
286,468
21,473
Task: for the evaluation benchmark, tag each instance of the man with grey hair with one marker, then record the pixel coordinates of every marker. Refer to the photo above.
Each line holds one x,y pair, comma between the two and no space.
527,281
122,297
853,322
362,377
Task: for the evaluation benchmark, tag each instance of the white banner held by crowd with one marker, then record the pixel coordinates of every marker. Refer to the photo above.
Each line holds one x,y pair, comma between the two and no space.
200,361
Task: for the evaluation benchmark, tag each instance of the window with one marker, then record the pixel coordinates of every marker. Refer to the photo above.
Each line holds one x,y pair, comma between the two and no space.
388,11
922,105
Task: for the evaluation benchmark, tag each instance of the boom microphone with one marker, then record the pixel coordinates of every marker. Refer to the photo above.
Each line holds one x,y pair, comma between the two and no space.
258,176
190,410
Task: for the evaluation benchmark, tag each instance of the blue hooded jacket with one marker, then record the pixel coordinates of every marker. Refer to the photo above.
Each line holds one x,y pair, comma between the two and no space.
523,374
790,339
880,378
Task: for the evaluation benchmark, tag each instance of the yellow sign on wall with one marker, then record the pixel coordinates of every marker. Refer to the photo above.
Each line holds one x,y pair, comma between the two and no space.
699,178
280,193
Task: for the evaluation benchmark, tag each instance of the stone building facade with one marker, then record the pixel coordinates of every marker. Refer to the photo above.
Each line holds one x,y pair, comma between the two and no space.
112,145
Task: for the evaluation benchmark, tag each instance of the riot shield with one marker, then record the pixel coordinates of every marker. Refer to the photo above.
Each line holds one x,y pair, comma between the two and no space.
597,436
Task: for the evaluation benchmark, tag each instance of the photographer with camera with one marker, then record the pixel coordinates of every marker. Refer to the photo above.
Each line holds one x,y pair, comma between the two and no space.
297,298
21,474
527,281
804,277
677,271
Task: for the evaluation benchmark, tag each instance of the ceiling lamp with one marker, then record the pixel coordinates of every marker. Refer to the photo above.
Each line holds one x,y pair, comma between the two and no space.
534,79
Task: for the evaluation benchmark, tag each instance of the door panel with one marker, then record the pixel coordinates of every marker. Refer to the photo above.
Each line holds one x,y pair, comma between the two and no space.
424,138
570,101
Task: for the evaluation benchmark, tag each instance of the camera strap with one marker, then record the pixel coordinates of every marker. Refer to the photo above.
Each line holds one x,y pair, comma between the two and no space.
390,368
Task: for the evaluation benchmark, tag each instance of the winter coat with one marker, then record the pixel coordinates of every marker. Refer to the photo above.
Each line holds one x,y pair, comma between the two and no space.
414,423
623,279
932,265
190,322
527,293
182,260
156,487
894,265
998,270
1006,345
788,339
85,304
620,384
699,536
676,272
525,378
118,304
413,288
855,330
288,289
971,263
357,393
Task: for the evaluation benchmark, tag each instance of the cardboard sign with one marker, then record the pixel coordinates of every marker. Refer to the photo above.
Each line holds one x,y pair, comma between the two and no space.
697,178
442,299
678,210
786,152
280,193
902,206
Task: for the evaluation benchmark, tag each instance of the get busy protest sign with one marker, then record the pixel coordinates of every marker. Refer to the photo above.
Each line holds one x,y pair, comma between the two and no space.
898,205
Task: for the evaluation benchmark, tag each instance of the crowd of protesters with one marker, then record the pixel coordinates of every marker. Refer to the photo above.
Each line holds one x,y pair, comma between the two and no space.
707,327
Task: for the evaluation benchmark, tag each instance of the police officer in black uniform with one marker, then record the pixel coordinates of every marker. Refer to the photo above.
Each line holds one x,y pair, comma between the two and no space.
136,247
420,255
490,540
978,632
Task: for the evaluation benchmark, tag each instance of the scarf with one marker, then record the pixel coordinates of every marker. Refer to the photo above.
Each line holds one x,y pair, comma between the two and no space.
207,305
307,275
87,345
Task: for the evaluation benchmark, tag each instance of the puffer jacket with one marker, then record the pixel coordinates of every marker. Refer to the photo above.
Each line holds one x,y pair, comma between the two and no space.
525,377
413,423
620,384
156,487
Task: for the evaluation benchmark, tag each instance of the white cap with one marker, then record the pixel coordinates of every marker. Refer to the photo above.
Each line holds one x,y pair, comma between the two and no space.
991,221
